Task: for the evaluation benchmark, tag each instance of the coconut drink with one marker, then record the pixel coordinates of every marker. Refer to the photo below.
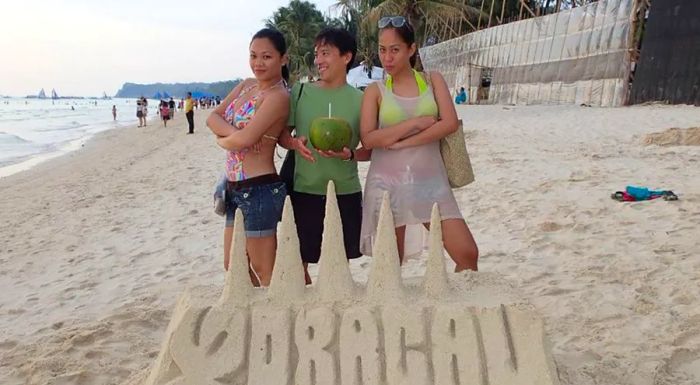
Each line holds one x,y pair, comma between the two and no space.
331,133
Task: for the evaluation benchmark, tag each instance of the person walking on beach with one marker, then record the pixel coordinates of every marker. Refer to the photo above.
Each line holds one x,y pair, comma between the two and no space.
139,112
334,51
144,108
253,115
403,120
164,112
114,112
171,106
189,112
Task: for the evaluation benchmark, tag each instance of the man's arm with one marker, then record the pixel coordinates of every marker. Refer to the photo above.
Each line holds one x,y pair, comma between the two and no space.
289,142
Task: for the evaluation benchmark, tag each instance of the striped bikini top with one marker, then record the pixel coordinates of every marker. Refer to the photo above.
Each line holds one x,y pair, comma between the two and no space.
241,117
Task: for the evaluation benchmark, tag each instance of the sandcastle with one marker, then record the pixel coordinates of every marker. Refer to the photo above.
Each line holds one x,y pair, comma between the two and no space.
441,329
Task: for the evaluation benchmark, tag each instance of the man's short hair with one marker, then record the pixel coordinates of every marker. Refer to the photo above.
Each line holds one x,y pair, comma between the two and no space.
340,39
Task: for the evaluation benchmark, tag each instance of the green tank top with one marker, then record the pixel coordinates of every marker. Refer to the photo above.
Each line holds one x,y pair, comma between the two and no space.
391,111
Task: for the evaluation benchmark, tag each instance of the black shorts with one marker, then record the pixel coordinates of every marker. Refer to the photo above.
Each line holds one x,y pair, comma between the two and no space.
309,212
139,114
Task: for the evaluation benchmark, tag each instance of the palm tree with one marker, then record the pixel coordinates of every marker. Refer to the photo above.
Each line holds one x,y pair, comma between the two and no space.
354,16
436,20
440,19
300,21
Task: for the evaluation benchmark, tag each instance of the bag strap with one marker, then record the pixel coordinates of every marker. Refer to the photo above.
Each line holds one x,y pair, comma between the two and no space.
301,88
296,102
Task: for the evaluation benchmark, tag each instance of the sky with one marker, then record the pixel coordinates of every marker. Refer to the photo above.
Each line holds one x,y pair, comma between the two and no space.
86,47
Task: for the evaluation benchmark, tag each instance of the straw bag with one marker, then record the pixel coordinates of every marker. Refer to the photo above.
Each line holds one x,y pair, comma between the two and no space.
456,158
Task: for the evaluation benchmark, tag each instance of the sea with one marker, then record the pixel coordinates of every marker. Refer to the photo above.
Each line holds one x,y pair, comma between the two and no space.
33,131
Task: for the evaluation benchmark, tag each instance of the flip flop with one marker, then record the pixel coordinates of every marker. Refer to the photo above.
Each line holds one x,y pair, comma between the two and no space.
618,196
670,196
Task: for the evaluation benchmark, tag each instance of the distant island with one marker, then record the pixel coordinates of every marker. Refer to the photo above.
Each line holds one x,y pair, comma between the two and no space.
176,90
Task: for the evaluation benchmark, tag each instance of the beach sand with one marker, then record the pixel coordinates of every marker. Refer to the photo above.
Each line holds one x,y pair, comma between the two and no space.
97,245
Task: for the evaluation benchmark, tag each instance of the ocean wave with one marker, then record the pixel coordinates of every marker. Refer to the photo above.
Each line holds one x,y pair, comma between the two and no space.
62,127
6,138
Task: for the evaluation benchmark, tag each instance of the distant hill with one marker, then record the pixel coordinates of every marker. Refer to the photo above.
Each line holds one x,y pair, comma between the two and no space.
177,90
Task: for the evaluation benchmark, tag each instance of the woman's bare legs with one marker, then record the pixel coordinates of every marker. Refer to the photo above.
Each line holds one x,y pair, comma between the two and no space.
459,243
307,277
458,240
261,252
228,240
400,240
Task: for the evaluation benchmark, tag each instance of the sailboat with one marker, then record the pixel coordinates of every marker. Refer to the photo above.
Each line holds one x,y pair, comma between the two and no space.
42,94
105,97
54,95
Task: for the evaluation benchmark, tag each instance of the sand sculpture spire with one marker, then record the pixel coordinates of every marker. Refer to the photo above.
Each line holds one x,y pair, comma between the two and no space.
334,278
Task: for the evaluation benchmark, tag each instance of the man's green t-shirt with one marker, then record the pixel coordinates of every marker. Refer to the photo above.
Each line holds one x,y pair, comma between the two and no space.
312,103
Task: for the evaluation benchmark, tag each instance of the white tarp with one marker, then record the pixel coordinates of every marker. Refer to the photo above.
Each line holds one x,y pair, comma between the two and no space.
578,56
359,76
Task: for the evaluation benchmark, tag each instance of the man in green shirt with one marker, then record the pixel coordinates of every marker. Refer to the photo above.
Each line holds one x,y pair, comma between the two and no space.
334,51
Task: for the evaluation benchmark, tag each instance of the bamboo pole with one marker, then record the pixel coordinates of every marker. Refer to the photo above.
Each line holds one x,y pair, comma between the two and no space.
633,55
522,4
520,16
503,11
491,13
470,24
481,11
558,6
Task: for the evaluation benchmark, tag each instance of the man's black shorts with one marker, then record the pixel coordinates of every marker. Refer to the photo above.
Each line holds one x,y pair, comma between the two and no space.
309,212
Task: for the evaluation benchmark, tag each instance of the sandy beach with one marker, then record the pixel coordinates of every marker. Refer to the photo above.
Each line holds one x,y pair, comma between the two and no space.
97,245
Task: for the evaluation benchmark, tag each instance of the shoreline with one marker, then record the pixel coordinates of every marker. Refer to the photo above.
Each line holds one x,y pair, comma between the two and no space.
32,161
97,119
98,244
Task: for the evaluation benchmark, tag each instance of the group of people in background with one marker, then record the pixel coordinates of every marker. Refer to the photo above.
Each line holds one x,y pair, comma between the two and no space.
167,108
207,102
142,111
396,125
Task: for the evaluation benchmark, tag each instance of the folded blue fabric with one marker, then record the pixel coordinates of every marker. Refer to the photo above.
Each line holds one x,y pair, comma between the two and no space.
642,193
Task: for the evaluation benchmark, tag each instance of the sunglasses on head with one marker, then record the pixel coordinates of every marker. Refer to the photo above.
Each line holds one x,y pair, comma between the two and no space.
395,21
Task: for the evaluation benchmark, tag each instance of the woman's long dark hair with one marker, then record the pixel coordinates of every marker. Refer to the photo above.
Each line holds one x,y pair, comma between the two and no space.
278,41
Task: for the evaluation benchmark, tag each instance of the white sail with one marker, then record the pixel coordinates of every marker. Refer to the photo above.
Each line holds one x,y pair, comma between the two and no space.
54,95
42,94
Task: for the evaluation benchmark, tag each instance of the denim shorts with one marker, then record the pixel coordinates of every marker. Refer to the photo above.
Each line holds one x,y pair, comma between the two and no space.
261,205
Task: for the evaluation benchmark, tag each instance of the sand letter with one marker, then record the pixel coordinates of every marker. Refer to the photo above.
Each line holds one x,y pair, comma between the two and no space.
314,333
404,335
457,348
359,348
270,346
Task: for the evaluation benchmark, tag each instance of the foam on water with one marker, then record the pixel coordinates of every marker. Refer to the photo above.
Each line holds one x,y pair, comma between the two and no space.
36,130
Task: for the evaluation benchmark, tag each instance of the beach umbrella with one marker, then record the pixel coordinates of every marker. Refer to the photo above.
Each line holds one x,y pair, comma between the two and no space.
201,94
